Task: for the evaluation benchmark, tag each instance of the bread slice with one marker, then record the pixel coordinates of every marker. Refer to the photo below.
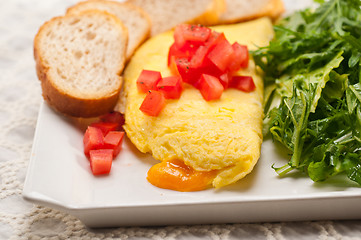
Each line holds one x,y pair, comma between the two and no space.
79,59
243,10
166,14
133,17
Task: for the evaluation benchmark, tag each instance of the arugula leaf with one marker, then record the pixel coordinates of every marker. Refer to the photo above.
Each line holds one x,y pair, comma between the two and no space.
313,65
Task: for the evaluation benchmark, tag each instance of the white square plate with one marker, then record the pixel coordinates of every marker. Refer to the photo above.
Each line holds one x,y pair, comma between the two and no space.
59,176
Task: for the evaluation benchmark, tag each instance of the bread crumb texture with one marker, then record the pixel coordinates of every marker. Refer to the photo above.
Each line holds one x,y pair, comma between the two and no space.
83,54
134,18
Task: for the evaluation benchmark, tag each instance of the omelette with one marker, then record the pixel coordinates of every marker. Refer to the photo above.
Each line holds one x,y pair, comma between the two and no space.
199,143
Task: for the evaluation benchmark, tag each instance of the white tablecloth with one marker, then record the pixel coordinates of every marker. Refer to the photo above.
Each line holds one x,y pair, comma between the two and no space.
20,96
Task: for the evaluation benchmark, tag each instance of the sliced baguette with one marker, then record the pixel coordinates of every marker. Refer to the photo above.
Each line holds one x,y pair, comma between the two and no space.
243,10
166,14
133,17
79,59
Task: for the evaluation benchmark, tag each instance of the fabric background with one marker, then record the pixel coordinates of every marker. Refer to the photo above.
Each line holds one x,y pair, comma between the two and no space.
20,96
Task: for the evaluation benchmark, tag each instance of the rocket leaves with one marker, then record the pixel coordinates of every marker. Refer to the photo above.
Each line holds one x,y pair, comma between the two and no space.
314,70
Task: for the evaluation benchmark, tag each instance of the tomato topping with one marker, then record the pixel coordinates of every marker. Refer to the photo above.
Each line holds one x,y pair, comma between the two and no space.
114,117
194,34
171,87
198,59
177,176
215,39
182,68
102,142
225,79
173,65
243,83
241,57
105,127
93,139
174,51
210,87
113,140
101,161
148,80
179,39
222,55
153,103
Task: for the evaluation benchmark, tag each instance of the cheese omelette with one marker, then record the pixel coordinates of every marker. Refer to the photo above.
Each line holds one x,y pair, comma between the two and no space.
221,136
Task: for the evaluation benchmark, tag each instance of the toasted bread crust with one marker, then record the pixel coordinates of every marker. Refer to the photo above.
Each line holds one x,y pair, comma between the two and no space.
74,9
77,107
211,17
65,102
70,105
166,14
273,9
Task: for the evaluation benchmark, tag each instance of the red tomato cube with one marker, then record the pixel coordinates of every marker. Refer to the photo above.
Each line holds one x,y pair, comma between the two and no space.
195,33
173,65
225,79
105,127
179,39
214,39
171,87
198,59
153,103
222,55
93,139
101,161
243,83
113,140
114,117
148,80
245,53
182,68
241,57
176,52
184,33
210,87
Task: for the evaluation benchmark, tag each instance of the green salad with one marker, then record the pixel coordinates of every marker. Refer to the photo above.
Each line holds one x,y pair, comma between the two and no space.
313,77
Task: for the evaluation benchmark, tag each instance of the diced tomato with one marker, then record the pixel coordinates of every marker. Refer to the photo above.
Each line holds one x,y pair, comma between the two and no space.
153,103
215,39
113,140
102,142
225,79
114,117
105,127
222,55
173,65
198,59
195,34
241,57
179,39
243,83
182,68
101,161
174,51
171,87
210,87
93,139
148,80
209,69
206,60
244,51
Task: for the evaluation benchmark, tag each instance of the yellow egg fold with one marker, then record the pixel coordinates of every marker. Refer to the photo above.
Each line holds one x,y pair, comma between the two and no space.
223,135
